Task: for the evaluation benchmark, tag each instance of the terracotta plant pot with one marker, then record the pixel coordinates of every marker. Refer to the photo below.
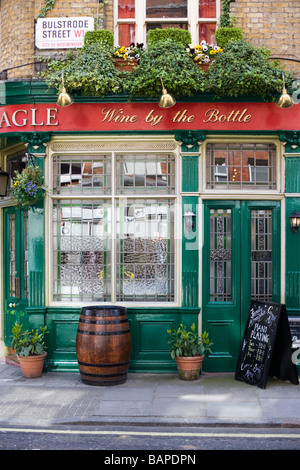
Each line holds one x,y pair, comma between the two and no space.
204,67
125,64
189,367
32,366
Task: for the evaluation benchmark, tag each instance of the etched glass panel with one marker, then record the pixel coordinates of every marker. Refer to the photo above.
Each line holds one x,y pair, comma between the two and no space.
220,255
77,174
142,174
241,166
145,250
261,255
82,250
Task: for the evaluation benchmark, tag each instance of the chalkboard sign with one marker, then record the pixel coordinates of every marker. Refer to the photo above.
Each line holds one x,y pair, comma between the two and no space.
266,349
294,323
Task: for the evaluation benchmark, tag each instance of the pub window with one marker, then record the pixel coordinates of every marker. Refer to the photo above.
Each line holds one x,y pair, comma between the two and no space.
109,242
241,166
134,18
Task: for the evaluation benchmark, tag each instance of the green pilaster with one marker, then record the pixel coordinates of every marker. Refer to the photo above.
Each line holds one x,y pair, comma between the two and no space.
190,258
190,158
292,164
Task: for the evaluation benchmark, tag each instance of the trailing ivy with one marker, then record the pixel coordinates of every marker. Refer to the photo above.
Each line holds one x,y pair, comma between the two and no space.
49,4
166,60
243,69
90,73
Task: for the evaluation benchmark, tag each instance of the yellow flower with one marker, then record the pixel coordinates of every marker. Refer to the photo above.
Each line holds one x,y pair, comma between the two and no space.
16,184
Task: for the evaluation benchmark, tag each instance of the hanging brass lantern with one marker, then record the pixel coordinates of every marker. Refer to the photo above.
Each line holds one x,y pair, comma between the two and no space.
64,99
166,100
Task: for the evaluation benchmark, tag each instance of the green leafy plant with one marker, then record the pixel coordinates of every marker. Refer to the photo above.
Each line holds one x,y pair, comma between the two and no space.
90,73
184,343
243,69
28,186
28,343
166,60
181,36
48,5
227,30
103,37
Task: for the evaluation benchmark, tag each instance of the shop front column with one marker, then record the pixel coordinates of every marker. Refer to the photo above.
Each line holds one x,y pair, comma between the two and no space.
36,144
291,141
190,141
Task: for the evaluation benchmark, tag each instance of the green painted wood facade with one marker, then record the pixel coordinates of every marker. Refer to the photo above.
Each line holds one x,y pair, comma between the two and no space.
149,325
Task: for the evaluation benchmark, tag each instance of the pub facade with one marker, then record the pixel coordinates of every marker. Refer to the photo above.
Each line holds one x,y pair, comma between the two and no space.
182,215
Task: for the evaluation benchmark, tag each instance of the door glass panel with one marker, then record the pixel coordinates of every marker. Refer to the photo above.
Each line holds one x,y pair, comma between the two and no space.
220,255
207,9
261,255
12,255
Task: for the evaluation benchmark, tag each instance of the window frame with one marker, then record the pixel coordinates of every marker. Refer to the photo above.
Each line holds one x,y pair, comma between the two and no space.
115,198
140,21
278,164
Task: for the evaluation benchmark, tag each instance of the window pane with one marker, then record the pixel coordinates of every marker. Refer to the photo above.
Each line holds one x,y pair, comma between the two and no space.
142,174
77,174
126,8
241,166
126,34
145,251
207,32
220,255
207,8
261,255
82,250
167,9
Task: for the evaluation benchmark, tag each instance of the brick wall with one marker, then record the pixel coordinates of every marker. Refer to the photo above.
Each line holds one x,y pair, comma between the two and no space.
273,24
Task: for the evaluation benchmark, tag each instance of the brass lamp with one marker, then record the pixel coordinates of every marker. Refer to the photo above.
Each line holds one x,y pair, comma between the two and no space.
285,100
166,100
64,99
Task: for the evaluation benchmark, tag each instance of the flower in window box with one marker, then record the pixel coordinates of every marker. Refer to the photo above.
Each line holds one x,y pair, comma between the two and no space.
131,55
203,53
28,186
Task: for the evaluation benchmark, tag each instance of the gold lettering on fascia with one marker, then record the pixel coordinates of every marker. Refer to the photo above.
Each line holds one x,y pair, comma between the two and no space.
22,117
214,115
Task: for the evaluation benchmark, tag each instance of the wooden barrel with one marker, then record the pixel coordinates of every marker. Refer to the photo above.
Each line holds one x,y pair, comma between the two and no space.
103,345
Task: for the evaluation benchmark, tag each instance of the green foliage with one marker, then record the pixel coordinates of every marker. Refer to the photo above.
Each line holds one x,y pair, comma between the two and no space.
104,37
28,343
91,72
243,69
226,34
169,61
225,18
28,186
49,4
180,36
185,343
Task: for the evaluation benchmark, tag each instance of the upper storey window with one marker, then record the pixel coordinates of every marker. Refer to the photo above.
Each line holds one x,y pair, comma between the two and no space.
134,18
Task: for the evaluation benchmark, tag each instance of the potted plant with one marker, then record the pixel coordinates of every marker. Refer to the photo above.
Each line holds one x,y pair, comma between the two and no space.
188,350
127,57
30,349
28,186
203,54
